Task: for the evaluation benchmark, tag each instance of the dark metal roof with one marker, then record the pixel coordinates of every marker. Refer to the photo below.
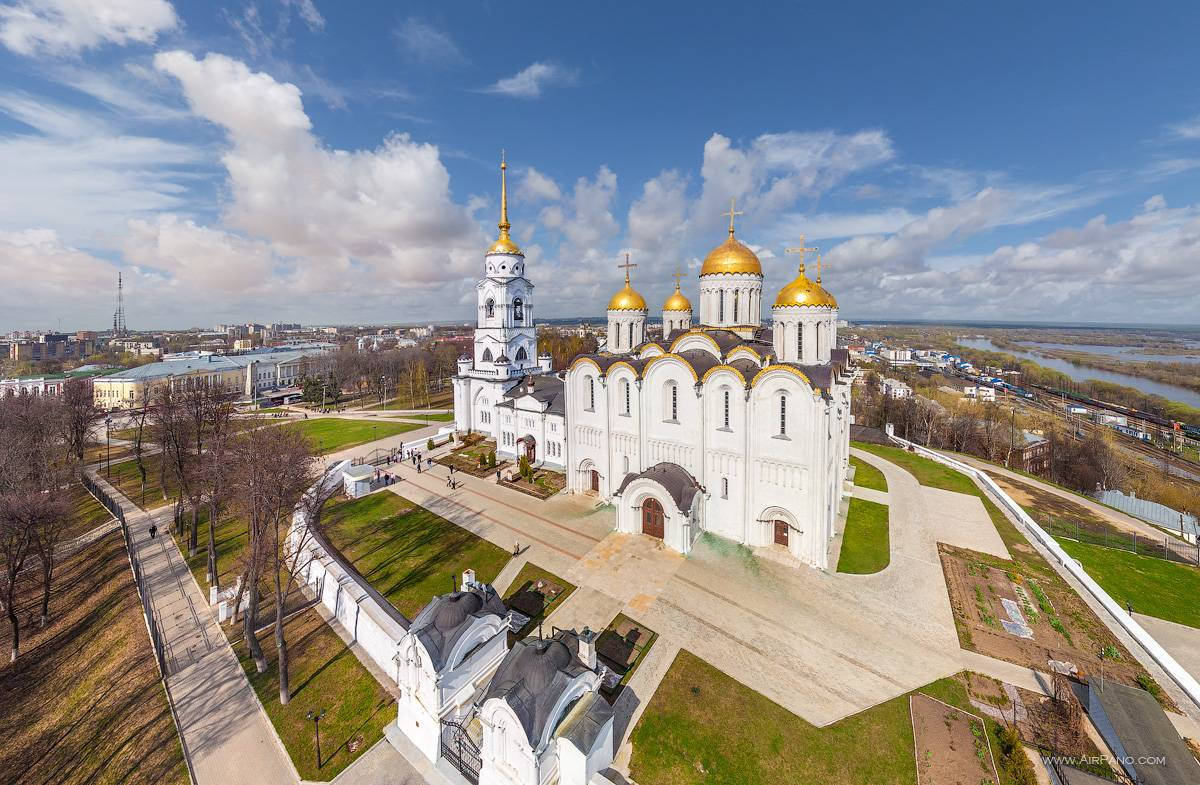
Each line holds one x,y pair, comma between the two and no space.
586,720
1145,733
443,621
675,479
532,676
547,388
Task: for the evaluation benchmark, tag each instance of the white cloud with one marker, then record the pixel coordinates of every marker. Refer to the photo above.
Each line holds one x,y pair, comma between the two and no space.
307,10
387,209
529,82
65,27
1188,130
537,187
425,43
775,170
585,220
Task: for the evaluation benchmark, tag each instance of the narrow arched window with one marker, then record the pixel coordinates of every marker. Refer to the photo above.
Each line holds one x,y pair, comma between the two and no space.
736,304
725,408
625,463
522,354
817,343
673,401
720,305
625,389
724,487
487,355
591,393
783,415
800,342
518,310
489,308
631,335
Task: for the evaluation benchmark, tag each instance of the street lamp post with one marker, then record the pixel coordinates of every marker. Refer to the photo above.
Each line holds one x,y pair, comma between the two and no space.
316,717
108,445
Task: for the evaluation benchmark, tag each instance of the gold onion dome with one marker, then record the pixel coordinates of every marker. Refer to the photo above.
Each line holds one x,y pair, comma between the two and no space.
731,256
804,292
677,302
504,243
627,299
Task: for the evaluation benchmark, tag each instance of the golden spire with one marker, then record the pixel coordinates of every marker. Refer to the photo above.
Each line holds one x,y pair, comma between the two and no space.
732,213
818,268
504,243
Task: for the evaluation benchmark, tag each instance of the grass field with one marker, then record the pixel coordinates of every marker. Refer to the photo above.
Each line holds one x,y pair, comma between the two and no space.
432,416
1155,587
324,674
405,551
86,512
330,434
437,400
865,543
703,727
927,472
83,703
867,476
125,478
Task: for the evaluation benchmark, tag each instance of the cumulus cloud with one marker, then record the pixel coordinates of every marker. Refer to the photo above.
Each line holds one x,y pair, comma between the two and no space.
67,27
537,187
532,80
424,43
775,170
389,208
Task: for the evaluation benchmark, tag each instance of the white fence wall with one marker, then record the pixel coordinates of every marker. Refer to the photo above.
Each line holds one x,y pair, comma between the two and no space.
369,619
1173,669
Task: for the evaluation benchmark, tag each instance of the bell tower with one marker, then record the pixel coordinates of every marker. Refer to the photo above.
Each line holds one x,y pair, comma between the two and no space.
505,336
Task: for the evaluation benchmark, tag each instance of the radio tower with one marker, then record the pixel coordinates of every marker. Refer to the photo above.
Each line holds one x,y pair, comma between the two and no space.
119,314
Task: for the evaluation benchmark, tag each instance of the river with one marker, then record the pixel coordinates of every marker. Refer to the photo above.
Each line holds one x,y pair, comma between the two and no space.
1130,353
1081,372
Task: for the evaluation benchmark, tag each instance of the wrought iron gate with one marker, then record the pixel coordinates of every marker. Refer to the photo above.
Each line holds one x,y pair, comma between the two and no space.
461,751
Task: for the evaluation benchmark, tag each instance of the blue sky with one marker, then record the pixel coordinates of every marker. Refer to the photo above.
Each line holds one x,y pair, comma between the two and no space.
321,162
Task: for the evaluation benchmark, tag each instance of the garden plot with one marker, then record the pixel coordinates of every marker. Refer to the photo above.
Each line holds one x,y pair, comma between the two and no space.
952,745
1035,622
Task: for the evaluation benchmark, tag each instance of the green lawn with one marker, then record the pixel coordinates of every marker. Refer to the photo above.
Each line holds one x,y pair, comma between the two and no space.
324,675
86,512
432,416
1156,587
330,434
126,479
927,472
704,727
867,476
405,551
865,543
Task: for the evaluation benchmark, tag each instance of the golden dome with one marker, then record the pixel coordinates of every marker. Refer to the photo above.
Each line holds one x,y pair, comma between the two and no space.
804,292
627,299
504,243
731,256
677,302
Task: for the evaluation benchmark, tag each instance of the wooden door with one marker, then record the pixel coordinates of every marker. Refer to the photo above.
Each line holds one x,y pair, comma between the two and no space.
595,481
781,533
653,519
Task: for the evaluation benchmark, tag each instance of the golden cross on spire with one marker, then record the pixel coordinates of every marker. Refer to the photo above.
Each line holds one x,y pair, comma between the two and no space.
678,275
818,268
801,250
732,212
626,267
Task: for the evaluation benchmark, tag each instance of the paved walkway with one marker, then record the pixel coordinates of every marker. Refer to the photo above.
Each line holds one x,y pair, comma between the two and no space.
226,736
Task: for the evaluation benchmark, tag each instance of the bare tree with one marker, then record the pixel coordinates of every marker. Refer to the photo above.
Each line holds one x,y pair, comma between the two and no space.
217,468
79,415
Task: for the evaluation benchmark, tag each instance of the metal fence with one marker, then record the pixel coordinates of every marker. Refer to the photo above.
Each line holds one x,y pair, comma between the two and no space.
1163,547
152,625
1158,514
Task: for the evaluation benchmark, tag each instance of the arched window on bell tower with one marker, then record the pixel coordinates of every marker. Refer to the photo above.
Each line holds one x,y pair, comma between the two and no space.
487,355
489,308
518,310
521,353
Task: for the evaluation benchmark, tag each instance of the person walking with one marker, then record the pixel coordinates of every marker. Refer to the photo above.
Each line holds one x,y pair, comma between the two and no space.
153,530
497,476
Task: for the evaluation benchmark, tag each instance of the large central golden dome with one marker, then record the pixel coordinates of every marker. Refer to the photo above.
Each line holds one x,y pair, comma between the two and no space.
804,292
731,256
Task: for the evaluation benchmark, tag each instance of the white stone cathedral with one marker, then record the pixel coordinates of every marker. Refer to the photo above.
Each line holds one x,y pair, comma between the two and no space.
727,427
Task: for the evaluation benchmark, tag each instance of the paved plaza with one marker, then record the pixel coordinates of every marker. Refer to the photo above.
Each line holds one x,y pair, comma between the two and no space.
821,644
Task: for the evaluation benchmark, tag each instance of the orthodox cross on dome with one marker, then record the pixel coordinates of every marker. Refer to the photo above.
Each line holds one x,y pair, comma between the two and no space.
678,275
818,268
626,267
732,212
802,251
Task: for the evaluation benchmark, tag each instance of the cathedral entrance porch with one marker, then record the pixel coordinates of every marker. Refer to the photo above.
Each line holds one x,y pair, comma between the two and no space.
652,518
529,447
